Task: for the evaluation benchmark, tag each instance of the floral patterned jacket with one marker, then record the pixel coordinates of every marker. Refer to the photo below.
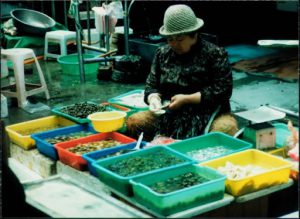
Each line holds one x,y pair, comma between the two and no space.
205,68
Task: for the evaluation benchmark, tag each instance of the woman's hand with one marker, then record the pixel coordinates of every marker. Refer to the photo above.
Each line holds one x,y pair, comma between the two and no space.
154,102
179,100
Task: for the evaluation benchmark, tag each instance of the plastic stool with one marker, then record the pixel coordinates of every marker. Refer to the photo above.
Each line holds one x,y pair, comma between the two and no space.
17,56
61,37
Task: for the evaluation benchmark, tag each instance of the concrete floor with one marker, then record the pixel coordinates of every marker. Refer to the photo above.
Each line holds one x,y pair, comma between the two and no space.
249,92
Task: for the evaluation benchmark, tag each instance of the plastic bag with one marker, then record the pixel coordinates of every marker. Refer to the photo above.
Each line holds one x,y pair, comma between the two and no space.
71,10
294,152
159,140
9,28
35,107
293,142
115,9
100,25
4,108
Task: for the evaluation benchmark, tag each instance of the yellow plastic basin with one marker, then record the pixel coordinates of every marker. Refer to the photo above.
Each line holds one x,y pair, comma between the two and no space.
277,171
20,133
107,121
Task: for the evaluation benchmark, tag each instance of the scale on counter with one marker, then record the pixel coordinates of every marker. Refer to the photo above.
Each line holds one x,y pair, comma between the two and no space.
259,126
259,131
261,114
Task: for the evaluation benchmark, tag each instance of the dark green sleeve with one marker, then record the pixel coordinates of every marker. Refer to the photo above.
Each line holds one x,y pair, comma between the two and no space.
219,89
153,80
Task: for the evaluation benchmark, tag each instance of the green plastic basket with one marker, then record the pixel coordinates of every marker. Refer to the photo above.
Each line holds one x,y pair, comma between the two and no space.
57,111
180,200
211,142
119,100
121,183
70,65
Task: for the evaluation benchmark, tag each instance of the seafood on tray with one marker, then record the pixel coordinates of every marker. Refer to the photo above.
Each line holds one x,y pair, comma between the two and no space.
236,172
134,100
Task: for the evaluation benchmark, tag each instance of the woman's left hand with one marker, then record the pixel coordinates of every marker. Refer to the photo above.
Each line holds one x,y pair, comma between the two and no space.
178,101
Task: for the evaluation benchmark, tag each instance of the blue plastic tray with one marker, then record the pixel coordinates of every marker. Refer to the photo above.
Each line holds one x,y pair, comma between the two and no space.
118,100
97,155
48,149
121,183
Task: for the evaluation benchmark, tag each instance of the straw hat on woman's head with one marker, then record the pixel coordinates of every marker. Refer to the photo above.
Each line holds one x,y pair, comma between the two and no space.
180,19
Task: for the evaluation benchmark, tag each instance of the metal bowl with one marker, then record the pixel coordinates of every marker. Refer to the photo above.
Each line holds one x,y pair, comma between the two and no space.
31,22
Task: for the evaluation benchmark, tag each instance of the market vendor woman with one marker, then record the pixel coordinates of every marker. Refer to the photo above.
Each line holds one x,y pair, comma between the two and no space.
192,74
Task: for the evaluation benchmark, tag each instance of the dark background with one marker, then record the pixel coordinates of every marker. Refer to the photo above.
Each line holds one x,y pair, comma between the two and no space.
232,21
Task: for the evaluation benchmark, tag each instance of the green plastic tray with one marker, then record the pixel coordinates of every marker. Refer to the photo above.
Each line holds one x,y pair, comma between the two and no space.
210,140
118,100
183,199
57,110
121,183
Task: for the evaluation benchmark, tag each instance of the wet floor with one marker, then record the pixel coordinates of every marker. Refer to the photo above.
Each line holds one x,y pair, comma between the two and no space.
65,90
249,92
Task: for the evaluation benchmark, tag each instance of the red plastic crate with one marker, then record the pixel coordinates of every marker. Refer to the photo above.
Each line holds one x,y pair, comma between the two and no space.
116,106
75,160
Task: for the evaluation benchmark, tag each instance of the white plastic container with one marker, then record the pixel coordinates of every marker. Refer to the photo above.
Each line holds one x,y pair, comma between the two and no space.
120,30
4,109
95,35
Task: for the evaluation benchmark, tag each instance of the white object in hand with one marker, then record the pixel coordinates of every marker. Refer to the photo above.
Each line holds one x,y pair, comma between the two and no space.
154,102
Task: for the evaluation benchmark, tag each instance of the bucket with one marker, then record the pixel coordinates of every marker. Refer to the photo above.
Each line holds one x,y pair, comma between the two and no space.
4,109
70,65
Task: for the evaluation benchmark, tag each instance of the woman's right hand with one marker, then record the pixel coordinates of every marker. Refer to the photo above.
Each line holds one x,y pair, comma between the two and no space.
154,102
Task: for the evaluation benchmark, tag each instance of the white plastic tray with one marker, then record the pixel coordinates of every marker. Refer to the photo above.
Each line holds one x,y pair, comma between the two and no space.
60,196
261,114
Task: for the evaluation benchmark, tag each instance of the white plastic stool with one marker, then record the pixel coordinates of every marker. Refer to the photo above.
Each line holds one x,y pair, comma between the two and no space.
4,69
17,56
61,37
